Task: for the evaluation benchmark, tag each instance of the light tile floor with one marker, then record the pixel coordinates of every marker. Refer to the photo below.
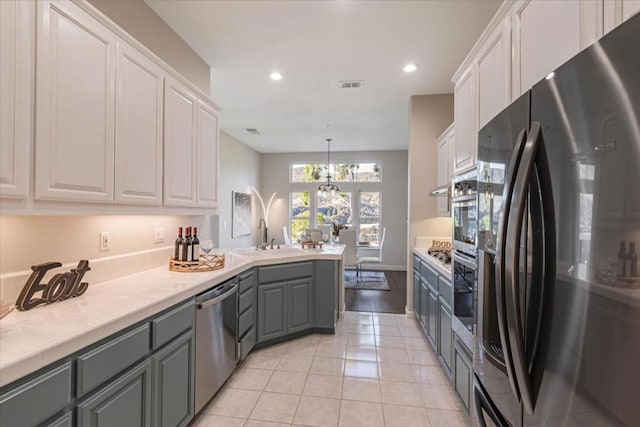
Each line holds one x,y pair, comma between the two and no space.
377,370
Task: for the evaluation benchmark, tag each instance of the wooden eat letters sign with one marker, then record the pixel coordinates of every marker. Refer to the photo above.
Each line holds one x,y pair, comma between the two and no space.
61,286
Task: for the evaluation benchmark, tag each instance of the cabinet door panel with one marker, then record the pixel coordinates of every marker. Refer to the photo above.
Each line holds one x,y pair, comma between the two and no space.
445,339
16,96
416,294
464,112
432,317
299,308
179,145
173,383
207,157
462,370
124,402
424,306
74,105
139,117
271,311
494,74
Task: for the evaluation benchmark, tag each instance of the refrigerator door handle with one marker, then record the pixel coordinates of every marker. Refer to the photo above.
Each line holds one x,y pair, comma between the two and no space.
483,404
501,240
512,270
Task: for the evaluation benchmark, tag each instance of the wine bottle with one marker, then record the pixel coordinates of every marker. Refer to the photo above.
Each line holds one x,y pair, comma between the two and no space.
186,247
633,260
622,259
195,245
177,253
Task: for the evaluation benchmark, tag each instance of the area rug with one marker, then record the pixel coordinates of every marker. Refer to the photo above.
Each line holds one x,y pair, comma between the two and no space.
371,280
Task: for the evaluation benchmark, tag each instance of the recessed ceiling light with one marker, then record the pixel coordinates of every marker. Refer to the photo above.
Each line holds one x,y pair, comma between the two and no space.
410,68
275,76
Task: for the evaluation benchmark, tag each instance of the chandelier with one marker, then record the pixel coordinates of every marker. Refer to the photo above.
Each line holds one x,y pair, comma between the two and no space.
328,187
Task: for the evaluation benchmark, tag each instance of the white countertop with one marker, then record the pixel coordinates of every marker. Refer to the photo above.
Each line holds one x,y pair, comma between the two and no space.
444,269
33,339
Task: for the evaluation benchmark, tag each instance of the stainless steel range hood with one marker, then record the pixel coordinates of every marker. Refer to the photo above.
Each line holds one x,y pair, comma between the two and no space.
442,190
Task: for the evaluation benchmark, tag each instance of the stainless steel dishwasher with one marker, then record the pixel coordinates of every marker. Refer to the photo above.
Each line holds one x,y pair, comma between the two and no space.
216,326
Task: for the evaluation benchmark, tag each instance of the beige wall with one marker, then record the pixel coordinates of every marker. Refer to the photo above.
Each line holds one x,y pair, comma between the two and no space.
239,170
139,20
31,240
429,116
275,178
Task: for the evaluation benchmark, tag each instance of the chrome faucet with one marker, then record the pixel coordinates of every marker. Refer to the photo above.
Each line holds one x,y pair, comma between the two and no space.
272,240
262,223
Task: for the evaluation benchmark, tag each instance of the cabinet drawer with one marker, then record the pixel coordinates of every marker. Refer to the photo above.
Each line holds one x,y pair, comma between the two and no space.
429,275
98,365
444,287
245,300
245,321
275,273
168,326
246,281
37,399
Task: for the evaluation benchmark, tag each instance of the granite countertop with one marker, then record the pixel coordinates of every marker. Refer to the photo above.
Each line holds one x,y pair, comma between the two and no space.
440,267
33,339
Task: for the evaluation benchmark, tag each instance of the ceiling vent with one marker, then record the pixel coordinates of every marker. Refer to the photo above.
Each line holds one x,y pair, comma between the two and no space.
253,131
351,84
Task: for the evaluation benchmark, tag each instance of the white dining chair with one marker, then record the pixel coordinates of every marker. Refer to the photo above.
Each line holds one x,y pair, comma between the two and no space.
285,235
371,259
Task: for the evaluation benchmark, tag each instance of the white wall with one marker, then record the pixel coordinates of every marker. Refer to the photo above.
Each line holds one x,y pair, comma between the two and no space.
429,116
239,170
275,178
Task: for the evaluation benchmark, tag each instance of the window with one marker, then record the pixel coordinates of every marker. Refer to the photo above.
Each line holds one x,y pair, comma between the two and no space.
334,208
340,172
299,213
369,220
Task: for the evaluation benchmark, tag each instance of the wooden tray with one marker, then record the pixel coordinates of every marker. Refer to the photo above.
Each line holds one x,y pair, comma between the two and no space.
206,263
311,245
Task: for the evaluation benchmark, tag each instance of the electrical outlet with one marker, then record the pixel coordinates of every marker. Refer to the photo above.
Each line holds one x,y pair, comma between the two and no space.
105,240
158,235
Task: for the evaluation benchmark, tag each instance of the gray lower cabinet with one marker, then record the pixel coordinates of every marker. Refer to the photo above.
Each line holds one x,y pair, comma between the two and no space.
462,373
432,317
424,305
126,401
173,388
271,311
325,294
38,398
445,336
416,294
299,305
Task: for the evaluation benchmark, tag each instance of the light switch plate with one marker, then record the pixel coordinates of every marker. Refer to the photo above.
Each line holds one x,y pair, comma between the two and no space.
105,240
158,235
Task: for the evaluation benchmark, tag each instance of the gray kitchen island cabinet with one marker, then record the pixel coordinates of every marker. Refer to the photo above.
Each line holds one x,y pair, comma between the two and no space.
271,311
299,308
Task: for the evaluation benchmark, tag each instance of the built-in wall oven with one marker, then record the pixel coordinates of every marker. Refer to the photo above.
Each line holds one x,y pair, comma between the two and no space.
464,204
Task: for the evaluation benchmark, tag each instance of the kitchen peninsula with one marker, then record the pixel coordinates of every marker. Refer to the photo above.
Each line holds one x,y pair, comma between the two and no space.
53,345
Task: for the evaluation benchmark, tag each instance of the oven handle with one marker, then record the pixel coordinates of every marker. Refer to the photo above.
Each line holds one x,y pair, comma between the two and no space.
465,260
501,242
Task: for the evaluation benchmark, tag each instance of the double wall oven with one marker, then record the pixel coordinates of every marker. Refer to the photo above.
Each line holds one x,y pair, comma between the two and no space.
464,208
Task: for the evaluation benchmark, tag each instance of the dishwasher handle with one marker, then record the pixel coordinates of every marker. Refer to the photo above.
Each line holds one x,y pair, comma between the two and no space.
215,297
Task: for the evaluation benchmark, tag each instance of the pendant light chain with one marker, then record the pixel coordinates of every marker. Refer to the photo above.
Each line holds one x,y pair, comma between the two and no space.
323,189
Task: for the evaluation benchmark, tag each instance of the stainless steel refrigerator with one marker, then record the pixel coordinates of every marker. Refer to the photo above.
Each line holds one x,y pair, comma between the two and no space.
557,329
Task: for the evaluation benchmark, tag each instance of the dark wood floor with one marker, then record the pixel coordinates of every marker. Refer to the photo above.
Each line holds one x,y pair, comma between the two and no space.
392,301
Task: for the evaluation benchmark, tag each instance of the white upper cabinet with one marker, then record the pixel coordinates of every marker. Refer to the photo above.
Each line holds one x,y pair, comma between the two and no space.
139,120
548,33
75,81
179,144
16,96
207,156
464,113
618,11
494,74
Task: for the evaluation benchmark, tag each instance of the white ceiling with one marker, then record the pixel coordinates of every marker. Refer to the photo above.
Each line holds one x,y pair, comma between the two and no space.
315,44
